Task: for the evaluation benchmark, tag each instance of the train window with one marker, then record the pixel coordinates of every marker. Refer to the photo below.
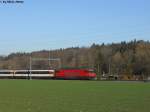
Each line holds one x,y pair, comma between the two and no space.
5,72
40,72
33,72
25,72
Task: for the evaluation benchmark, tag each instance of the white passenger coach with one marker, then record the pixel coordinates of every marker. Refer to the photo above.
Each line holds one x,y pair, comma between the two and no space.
16,74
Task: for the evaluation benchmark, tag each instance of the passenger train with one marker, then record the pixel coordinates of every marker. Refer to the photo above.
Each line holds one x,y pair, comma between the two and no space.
48,74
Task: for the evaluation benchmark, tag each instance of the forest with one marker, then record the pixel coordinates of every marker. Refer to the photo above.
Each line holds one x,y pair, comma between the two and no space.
123,58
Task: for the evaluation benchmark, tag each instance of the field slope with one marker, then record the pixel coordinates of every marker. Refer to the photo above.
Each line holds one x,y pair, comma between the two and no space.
73,96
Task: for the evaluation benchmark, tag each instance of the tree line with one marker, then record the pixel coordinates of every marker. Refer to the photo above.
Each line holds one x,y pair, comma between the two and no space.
131,58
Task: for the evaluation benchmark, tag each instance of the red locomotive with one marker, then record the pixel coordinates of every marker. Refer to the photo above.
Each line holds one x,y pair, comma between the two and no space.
74,74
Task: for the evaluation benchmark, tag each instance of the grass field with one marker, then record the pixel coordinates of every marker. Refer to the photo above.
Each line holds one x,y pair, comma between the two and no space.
73,96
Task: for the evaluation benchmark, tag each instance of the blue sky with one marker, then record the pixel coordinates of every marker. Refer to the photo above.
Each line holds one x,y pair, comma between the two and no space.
53,24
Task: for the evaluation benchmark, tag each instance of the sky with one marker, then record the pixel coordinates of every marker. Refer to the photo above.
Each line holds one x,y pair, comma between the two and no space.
53,24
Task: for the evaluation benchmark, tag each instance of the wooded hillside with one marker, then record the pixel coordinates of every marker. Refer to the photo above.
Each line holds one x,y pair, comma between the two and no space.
131,58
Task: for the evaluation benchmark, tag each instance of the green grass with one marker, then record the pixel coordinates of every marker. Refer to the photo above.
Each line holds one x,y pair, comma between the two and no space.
73,96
